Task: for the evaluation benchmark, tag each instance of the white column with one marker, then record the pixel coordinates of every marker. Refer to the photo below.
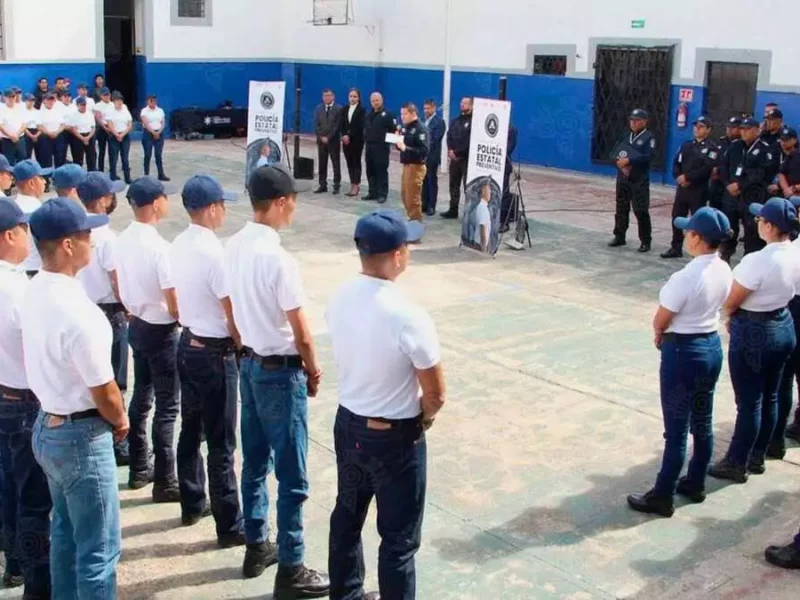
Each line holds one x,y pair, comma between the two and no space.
446,88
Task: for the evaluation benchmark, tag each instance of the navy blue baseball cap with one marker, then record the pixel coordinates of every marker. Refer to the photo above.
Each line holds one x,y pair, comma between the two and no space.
68,176
28,169
62,217
11,215
17,89
271,182
80,101
83,86
788,133
381,231
146,190
115,95
709,223
30,98
735,122
97,185
9,93
5,166
778,211
749,123
703,120
775,113
105,91
638,113
204,190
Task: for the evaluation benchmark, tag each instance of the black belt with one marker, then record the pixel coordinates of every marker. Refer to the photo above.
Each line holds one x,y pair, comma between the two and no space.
10,393
290,361
761,316
112,308
370,422
78,416
675,337
155,327
224,345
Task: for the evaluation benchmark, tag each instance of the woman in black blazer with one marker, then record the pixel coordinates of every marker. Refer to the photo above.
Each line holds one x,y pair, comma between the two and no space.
353,139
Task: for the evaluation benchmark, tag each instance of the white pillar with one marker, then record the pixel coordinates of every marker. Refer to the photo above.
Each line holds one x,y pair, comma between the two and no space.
446,87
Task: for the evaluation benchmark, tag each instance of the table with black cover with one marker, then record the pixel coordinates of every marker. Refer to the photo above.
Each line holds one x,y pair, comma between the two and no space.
219,122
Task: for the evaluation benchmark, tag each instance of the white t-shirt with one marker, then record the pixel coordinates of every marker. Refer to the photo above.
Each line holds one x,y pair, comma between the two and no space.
29,204
95,277
12,120
32,118
52,119
66,110
198,272
696,294
772,274
13,285
119,118
143,273
154,117
379,338
482,217
264,283
89,104
103,109
67,342
83,122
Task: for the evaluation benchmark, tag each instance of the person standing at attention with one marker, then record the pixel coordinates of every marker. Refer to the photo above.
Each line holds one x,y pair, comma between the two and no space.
279,370
30,190
101,110
82,133
458,136
67,342
153,122
385,348
148,294
328,127
119,124
413,153
353,140
33,123
436,130
12,130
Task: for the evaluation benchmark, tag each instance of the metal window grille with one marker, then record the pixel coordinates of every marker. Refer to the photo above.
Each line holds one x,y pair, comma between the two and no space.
550,64
2,34
730,91
192,9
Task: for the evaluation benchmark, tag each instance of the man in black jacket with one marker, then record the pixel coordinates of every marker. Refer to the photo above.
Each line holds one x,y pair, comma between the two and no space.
458,151
378,123
436,130
328,127
413,152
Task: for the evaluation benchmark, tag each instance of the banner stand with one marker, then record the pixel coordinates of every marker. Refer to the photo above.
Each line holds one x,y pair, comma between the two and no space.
265,142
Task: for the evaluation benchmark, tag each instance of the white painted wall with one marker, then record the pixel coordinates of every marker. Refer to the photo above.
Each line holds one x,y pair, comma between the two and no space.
71,25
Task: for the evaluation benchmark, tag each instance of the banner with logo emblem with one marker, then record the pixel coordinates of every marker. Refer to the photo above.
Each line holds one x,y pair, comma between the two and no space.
485,173
264,124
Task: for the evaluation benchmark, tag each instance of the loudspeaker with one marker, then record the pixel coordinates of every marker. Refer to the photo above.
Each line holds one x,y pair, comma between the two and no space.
503,88
303,168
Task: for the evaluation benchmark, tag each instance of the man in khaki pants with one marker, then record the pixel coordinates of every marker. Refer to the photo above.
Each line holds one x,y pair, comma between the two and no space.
413,152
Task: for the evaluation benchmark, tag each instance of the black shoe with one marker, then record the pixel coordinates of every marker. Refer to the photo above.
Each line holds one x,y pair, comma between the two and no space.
786,557
166,494
430,212
257,558
123,459
231,540
381,199
672,253
449,214
650,503
776,450
756,465
189,520
163,177
725,469
687,490
323,189
13,581
137,481
369,196
292,583
645,247
128,180
793,432
617,242
336,190
505,228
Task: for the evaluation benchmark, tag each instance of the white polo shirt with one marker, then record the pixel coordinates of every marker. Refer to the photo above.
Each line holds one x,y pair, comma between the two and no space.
95,277
119,118
32,118
143,273
67,343
66,110
89,104
772,274
29,204
264,283
13,285
52,119
198,272
696,294
379,338
154,117
103,108
12,120
83,122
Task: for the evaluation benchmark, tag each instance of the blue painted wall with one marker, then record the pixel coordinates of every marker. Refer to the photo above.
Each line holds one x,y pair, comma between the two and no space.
26,75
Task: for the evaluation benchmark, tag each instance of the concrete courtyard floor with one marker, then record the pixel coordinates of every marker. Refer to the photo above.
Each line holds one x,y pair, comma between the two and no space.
553,416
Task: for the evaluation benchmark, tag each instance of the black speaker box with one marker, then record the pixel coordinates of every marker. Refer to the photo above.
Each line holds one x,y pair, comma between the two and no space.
304,168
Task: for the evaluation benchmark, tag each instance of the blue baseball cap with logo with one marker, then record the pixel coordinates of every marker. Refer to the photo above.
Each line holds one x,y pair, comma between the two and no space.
749,123
5,166
105,91
703,120
204,190
68,176
28,169
147,190
788,133
61,217
709,223
734,122
638,113
98,185
780,212
30,98
11,215
381,231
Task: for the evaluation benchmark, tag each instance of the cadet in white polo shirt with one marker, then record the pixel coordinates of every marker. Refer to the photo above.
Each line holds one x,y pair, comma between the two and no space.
153,121
119,124
66,180
386,349
100,110
30,190
26,498
12,130
148,293
278,373
207,365
67,341
81,125
53,125
33,123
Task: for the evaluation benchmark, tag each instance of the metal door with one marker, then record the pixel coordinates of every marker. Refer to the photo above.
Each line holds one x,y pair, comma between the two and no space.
628,77
730,91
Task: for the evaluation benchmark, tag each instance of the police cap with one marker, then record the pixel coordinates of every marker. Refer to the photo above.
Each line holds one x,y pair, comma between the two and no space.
639,113
775,113
734,122
749,123
788,133
703,120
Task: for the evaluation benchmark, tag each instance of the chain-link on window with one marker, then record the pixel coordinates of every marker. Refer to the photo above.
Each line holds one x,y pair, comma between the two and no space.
550,64
192,9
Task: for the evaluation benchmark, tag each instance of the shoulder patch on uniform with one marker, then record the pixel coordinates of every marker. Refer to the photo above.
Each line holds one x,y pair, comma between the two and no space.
639,142
383,114
422,136
756,151
466,126
653,143
712,154
704,151
769,156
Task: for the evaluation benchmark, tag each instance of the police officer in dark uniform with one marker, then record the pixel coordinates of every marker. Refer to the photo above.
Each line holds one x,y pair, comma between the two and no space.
633,155
506,202
377,124
789,173
458,135
770,135
414,150
691,169
745,173
716,189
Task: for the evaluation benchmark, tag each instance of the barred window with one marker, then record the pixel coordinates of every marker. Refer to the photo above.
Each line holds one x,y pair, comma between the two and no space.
550,64
2,34
192,9
191,13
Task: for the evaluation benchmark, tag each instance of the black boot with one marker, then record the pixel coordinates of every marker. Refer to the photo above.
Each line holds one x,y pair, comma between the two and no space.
757,464
321,189
163,177
786,557
672,253
336,190
137,481
166,493
449,214
188,520
725,469
650,503
645,247
292,583
617,242
776,450
258,557
696,494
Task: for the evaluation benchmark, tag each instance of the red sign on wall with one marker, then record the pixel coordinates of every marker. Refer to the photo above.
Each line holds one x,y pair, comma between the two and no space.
686,95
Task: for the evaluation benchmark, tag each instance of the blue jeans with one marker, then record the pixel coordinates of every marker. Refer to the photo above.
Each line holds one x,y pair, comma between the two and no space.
390,465
209,380
155,378
690,367
117,149
26,498
149,143
274,420
85,537
791,373
119,348
760,347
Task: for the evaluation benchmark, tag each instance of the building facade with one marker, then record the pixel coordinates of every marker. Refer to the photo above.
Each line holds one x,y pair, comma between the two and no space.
574,68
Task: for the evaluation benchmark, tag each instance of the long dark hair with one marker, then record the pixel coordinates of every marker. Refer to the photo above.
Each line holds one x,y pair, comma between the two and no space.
357,91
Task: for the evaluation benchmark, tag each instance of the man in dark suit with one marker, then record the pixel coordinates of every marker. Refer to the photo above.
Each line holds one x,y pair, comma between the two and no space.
327,125
436,130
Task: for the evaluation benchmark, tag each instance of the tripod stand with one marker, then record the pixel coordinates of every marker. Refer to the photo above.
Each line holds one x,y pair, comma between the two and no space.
521,228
